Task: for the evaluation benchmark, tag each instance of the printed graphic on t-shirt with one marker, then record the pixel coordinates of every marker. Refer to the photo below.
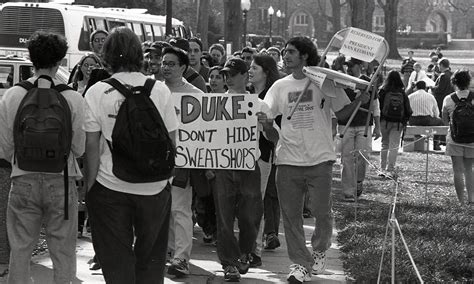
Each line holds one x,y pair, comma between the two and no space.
303,118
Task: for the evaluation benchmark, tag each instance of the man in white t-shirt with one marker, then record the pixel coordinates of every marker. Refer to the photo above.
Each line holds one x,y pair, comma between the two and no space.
121,211
305,155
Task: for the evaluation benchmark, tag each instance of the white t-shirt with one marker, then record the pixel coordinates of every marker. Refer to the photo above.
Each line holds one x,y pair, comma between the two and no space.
103,103
306,139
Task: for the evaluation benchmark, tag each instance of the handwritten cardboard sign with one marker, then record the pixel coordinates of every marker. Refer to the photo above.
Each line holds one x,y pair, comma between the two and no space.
361,44
217,131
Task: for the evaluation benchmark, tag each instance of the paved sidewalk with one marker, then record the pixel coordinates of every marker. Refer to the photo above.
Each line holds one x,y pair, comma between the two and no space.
205,267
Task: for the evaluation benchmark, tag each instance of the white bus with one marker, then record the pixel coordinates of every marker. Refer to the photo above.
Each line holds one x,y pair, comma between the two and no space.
18,20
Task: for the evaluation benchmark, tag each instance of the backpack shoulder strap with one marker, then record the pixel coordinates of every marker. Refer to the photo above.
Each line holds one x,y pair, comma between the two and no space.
470,97
149,83
27,85
118,86
455,98
62,87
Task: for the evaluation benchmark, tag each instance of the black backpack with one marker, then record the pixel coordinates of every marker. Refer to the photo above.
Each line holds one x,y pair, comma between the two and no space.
462,119
42,131
142,150
393,108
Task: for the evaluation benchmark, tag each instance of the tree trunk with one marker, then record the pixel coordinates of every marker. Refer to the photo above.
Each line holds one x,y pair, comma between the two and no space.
391,13
203,22
169,16
336,15
233,24
361,13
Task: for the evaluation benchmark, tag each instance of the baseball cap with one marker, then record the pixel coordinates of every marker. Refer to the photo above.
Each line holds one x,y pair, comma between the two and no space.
353,61
180,43
157,47
235,66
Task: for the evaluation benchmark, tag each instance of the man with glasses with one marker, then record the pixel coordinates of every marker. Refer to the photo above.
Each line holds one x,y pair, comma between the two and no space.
180,237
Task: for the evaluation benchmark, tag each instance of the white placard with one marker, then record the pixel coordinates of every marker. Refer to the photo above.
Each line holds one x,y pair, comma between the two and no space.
361,44
316,77
217,131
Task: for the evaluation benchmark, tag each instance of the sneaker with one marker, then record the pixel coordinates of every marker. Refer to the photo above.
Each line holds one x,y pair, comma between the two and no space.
360,188
255,260
319,262
272,241
231,274
244,264
94,266
207,239
298,274
179,267
307,213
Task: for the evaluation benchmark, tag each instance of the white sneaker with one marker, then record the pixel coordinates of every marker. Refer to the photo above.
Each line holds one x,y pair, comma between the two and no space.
298,274
319,262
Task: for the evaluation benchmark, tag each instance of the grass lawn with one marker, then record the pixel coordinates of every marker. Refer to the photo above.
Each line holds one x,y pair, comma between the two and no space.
438,231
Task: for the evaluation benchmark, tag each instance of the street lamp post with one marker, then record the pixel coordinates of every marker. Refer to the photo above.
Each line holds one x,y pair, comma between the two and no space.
278,14
270,14
245,6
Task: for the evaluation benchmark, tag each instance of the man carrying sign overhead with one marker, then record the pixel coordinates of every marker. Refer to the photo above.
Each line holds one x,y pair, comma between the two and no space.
305,155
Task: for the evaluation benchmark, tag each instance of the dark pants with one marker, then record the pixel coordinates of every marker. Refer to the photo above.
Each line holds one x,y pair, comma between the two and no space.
427,120
115,219
238,195
271,205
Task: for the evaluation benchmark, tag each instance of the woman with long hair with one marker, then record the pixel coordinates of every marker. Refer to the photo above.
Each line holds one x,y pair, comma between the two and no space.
462,154
216,80
80,80
392,128
263,73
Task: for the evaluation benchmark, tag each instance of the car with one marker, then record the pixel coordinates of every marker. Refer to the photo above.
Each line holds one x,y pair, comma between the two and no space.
16,69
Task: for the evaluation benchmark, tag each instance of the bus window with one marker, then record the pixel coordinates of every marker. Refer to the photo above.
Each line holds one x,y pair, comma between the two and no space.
26,72
137,28
158,32
100,24
6,76
87,26
113,24
173,32
148,32
129,25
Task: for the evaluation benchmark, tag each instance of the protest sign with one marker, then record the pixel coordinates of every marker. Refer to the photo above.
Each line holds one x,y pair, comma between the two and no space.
361,44
217,131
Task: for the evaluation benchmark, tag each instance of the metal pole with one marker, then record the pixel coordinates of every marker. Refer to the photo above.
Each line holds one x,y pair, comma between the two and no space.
245,28
270,35
392,221
169,15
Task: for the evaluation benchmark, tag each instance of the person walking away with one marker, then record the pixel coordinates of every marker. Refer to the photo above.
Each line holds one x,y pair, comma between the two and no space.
458,111
353,163
129,202
305,156
395,112
407,67
38,191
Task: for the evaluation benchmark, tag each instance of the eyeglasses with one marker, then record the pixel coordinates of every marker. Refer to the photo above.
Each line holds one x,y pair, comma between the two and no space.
97,39
170,64
87,65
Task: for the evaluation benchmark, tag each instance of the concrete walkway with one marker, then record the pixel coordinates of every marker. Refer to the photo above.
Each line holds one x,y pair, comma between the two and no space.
205,267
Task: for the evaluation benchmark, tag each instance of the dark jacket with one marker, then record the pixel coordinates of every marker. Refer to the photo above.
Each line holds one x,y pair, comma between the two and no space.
443,87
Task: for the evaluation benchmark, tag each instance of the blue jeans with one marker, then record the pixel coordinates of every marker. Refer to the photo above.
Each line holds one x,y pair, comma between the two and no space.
37,199
293,182
391,135
353,165
237,194
116,218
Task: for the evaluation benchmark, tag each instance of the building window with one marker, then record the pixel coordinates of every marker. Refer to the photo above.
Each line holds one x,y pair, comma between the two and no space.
301,19
379,24
263,15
